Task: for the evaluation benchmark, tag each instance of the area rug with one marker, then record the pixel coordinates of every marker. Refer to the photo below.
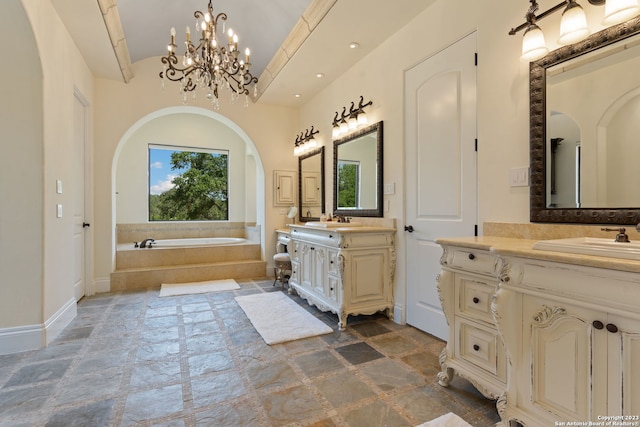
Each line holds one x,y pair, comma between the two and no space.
278,319
172,289
446,420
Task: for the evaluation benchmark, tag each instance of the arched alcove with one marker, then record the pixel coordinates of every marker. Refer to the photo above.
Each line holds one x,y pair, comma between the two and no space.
21,176
185,126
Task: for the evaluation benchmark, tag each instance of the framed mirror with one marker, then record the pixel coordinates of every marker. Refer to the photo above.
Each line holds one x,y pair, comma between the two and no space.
311,185
584,104
357,173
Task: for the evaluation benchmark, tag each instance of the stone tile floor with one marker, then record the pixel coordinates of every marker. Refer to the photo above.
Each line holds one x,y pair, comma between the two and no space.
135,359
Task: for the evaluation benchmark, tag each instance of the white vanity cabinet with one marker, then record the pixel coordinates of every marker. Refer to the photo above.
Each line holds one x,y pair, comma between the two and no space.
572,333
474,350
346,270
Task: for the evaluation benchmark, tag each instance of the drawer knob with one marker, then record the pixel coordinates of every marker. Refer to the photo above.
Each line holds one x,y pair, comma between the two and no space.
472,256
476,300
597,324
476,347
612,328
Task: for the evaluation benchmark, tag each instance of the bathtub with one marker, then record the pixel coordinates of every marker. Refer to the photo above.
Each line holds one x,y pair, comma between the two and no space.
199,241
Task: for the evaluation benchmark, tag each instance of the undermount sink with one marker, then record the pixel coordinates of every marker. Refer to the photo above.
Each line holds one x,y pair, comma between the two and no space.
592,246
332,224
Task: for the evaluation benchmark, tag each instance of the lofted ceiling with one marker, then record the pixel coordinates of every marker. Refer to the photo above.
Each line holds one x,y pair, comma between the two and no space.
291,41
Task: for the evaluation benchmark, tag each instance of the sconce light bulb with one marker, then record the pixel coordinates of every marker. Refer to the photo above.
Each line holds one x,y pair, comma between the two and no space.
533,44
344,127
573,26
352,122
335,132
617,11
363,119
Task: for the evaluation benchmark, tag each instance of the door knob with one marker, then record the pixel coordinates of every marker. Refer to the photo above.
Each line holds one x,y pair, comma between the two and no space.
408,228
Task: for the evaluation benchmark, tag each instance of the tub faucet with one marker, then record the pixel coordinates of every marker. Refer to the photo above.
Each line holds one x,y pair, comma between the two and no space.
146,243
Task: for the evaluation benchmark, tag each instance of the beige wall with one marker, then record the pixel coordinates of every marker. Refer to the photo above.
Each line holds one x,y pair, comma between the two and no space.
21,183
37,281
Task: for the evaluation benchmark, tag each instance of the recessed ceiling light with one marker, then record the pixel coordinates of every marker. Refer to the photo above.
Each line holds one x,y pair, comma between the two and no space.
354,45
319,75
297,95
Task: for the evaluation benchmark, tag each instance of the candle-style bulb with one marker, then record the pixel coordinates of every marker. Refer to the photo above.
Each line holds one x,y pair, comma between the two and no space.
247,54
173,31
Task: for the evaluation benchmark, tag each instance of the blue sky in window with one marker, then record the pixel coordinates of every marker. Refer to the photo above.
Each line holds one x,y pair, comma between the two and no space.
160,173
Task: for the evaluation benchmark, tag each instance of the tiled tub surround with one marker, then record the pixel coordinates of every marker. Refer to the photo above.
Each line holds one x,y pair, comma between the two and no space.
129,233
139,268
132,358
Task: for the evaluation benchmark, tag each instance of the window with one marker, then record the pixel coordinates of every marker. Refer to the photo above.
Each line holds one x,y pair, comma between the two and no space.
188,184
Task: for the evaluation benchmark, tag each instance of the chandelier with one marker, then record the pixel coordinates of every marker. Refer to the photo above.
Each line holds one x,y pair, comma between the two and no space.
209,64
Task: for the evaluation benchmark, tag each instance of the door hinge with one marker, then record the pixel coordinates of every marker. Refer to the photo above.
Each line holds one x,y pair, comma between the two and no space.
476,148
476,58
475,230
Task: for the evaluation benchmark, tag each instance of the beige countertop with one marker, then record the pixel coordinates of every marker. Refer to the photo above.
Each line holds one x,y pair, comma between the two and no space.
345,229
524,248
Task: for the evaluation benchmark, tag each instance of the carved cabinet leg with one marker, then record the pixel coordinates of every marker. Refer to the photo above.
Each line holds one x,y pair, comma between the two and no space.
342,321
446,375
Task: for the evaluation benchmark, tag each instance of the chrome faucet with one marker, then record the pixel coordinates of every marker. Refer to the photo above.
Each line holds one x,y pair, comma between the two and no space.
342,218
146,243
622,235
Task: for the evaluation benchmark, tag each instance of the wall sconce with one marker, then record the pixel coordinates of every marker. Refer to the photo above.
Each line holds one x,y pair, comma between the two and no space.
347,121
573,24
305,141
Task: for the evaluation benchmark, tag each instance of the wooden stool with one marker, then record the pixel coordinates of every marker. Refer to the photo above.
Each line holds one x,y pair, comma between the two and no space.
281,266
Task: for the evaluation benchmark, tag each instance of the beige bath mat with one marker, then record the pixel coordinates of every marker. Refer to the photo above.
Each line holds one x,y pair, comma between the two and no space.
172,289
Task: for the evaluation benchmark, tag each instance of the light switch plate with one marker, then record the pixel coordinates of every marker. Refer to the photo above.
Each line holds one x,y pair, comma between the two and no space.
59,186
58,210
519,177
390,188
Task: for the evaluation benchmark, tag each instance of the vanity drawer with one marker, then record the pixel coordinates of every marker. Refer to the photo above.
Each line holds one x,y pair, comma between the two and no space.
473,297
482,347
478,261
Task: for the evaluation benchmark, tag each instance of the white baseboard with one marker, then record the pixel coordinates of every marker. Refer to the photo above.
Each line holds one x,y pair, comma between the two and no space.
399,315
21,338
34,337
56,323
100,285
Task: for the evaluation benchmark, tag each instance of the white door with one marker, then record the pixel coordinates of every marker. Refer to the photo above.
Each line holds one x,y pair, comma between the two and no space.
78,188
441,197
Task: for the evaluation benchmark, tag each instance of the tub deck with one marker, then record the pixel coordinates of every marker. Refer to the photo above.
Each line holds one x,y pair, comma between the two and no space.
141,268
